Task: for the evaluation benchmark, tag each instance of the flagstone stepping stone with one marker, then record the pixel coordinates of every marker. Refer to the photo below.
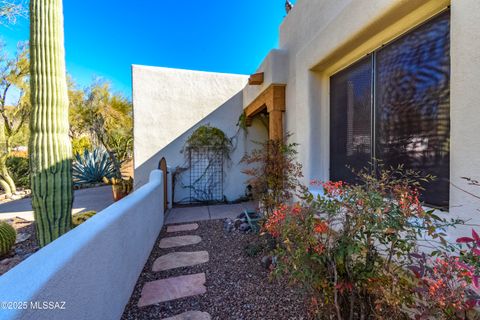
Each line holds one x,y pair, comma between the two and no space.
179,259
172,288
183,227
191,315
179,241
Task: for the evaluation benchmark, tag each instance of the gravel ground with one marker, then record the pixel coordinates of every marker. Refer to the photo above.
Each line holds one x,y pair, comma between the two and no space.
22,250
238,287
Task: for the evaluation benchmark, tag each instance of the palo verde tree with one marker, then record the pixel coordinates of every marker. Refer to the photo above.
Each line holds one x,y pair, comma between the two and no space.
50,149
13,114
107,118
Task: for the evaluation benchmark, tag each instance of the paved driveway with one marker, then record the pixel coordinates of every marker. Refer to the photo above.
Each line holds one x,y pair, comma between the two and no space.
95,199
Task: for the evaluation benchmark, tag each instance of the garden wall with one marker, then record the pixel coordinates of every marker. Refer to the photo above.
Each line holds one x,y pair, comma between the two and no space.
91,271
170,104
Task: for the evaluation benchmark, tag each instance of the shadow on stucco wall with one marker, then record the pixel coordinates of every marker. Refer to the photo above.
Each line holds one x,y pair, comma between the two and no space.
225,117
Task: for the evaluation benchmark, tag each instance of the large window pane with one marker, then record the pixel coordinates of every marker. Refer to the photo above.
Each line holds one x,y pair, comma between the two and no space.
350,120
412,104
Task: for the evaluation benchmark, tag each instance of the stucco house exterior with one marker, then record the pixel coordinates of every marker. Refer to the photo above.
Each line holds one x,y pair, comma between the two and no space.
356,82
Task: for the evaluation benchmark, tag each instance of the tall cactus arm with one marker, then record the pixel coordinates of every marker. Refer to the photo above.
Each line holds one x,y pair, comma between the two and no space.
49,147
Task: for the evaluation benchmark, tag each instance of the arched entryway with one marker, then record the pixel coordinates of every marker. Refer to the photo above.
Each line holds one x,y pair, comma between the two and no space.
162,165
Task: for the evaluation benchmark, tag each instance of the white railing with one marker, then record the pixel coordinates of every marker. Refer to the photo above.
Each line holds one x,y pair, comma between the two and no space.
91,271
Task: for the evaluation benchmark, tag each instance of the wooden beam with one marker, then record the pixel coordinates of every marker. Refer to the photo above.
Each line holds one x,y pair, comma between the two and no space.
256,79
271,100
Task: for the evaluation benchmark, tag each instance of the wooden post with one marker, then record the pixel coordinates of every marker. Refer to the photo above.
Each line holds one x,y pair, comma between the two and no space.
275,130
272,100
276,107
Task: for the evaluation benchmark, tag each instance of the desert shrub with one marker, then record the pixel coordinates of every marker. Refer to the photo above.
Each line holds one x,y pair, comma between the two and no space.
122,146
79,145
274,173
351,248
20,171
445,289
79,218
211,137
253,249
92,167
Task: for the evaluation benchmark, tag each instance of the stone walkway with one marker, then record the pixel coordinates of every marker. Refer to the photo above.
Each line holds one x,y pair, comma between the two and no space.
168,289
180,221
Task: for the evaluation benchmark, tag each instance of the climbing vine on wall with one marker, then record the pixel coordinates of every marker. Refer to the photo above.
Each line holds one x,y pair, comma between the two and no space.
205,152
207,136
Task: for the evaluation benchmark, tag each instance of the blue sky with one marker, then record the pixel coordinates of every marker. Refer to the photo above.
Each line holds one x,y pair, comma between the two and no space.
105,37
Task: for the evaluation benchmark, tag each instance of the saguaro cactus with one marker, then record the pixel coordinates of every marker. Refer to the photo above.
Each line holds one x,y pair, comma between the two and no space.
49,147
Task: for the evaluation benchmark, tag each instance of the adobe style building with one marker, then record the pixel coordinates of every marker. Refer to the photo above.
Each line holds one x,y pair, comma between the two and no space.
357,83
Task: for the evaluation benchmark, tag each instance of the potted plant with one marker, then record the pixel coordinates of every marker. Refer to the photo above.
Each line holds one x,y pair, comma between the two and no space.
120,187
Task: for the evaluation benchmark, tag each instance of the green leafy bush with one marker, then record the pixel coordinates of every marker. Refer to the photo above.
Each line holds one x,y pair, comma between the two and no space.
8,235
208,136
253,249
80,144
351,247
92,167
20,171
274,173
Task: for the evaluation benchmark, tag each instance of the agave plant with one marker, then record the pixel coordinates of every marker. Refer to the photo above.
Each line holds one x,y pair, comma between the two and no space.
92,166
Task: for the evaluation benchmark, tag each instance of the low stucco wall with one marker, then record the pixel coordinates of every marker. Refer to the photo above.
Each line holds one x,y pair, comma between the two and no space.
91,271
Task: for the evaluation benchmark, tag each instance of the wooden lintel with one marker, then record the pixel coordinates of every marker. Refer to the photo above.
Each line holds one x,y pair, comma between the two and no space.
256,79
271,99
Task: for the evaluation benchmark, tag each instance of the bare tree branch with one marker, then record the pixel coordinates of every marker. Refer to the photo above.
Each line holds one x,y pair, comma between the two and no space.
11,10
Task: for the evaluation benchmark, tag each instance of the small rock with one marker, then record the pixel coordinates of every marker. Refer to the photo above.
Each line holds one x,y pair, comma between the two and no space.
6,261
266,262
19,251
22,237
228,225
237,223
191,315
244,227
27,255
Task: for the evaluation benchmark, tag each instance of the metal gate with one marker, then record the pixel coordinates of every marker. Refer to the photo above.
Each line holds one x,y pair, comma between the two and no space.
163,166
206,174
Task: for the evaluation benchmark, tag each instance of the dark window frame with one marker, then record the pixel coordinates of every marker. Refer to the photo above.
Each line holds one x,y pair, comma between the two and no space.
374,138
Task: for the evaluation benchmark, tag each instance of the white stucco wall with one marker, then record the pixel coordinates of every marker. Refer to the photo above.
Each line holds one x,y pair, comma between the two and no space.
464,109
169,104
92,270
320,37
274,70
